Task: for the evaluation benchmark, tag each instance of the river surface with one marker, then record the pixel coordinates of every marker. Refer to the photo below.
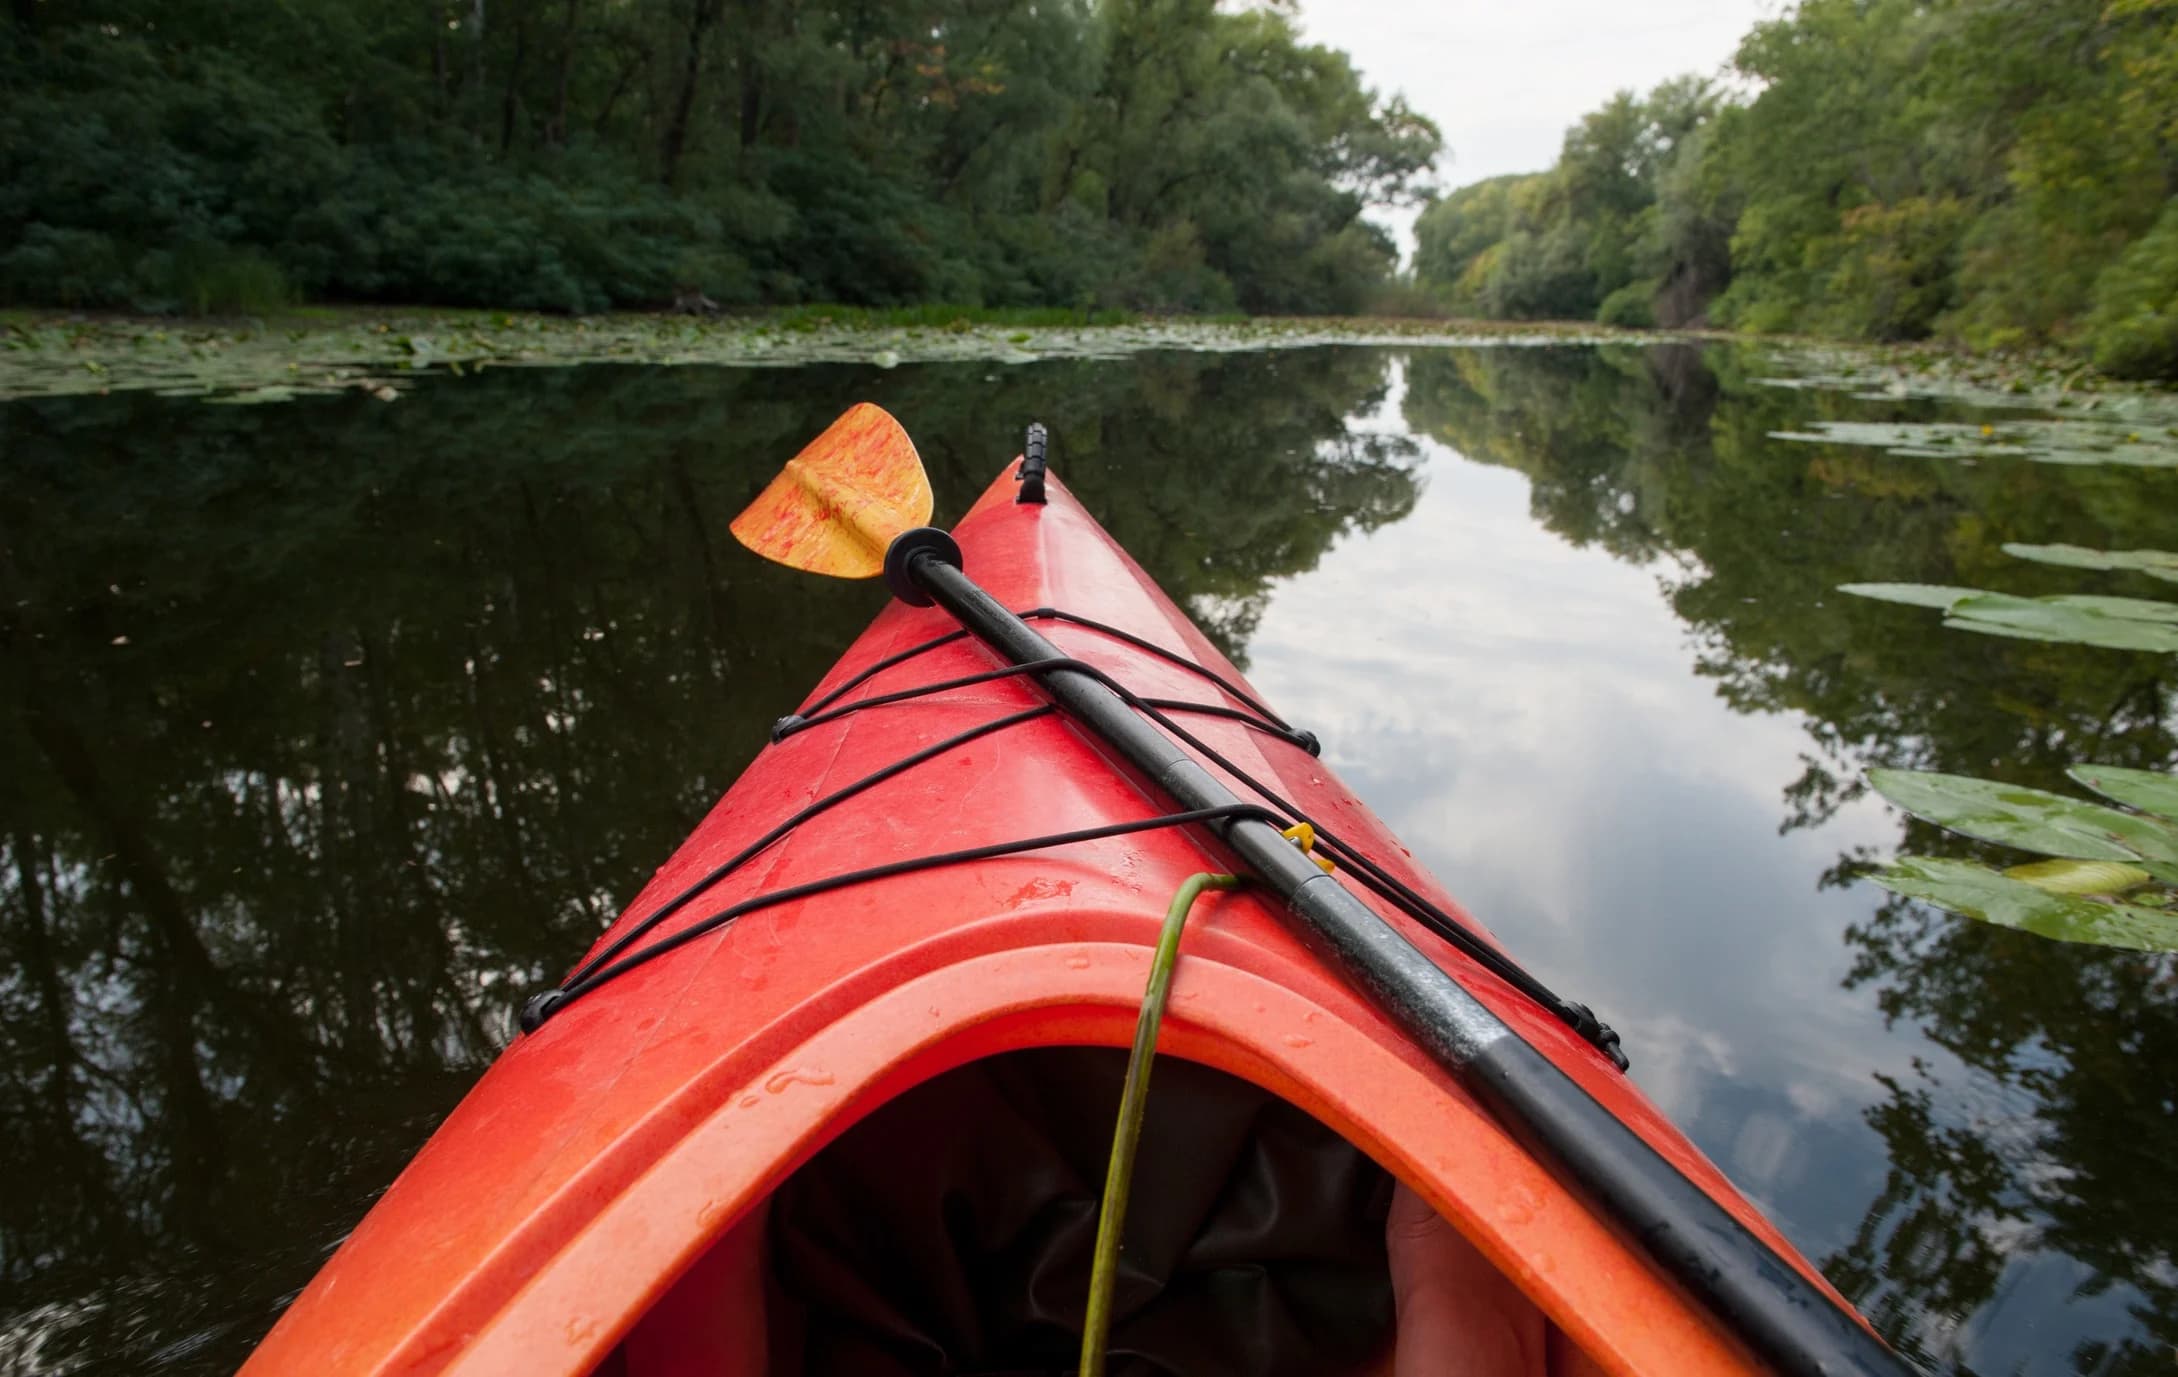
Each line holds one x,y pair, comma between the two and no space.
329,727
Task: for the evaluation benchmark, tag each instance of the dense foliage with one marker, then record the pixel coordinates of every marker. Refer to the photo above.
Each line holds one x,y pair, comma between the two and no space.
1998,173
580,154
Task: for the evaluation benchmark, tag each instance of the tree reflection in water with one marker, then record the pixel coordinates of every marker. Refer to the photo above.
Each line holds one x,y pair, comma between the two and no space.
330,728
2057,1140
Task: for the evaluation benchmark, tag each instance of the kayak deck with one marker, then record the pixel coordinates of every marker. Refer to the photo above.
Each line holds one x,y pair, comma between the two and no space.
615,1173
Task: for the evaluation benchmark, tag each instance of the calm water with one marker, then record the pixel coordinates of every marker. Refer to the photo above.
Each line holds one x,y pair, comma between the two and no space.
330,726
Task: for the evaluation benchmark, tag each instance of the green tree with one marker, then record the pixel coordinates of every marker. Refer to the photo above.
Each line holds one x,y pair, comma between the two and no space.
575,155
1564,243
1977,170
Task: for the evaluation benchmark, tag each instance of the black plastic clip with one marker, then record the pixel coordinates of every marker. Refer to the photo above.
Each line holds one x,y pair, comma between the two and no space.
1033,461
924,542
539,1007
1598,1032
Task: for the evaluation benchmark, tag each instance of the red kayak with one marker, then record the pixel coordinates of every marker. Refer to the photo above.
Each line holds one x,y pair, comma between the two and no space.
860,1127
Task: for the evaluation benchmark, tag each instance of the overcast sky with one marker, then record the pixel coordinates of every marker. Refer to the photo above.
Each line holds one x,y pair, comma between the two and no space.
1503,78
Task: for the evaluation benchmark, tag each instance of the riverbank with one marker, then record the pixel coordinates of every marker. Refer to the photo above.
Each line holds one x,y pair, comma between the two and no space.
381,351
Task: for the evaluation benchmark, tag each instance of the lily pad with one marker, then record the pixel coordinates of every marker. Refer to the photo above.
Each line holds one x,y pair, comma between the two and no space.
328,351
2071,619
2146,790
1979,892
1936,595
2079,877
2114,623
2030,819
2116,438
2162,564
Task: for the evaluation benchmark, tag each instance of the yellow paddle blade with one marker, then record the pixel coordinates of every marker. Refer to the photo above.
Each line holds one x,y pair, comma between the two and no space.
838,504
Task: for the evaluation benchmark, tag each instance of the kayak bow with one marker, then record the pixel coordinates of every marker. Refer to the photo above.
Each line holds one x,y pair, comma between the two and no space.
631,1180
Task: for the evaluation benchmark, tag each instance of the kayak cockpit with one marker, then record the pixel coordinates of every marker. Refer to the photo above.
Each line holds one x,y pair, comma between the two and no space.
951,1230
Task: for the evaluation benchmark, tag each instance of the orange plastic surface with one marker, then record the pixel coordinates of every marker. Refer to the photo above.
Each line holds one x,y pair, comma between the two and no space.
600,1157
835,506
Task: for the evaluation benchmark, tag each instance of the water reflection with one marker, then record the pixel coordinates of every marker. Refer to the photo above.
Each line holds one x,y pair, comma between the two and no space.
330,726
2022,1144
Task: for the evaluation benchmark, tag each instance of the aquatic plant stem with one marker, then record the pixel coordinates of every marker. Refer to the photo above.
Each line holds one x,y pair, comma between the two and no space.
1127,1134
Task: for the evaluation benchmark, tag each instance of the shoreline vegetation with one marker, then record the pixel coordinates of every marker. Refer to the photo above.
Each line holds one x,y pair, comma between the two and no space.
320,350
169,156
1979,173
1970,174
381,350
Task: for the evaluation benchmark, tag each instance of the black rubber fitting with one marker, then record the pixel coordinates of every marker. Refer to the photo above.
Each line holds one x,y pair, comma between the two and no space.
910,546
1599,1033
1031,474
787,726
539,1007
1308,742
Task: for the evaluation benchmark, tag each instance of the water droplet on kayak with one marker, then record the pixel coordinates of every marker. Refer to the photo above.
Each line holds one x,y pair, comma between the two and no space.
803,1075
751,1101
935,1012
1519,1208
1296,1040
1077,962
580,1328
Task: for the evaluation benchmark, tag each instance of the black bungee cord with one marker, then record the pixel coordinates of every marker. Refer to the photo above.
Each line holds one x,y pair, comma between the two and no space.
1372,876
906,866
1305,740
603,967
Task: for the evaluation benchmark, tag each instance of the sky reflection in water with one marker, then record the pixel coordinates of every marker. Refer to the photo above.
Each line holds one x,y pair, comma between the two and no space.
1523,713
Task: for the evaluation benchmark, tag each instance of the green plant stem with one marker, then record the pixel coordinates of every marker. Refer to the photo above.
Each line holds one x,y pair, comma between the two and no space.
1127,1134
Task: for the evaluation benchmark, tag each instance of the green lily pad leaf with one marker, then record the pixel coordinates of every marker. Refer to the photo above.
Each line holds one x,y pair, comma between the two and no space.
2000,629
2127,609
2146,790
2080,877
2074,621
1912,594
1979,892
2030,819
2162,564
2078,440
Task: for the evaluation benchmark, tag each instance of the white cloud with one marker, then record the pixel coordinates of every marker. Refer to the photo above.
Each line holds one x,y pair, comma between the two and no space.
1504,81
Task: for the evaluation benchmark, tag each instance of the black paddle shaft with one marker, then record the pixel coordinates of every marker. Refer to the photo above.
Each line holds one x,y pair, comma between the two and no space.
1786,1319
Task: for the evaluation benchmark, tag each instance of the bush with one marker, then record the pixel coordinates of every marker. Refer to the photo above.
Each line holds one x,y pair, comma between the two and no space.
2133,332
1631,306
1541,276
1893,268
1405,297
70,267
203,278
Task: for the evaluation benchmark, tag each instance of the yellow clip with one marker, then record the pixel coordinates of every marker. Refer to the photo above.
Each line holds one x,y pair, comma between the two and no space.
1304,836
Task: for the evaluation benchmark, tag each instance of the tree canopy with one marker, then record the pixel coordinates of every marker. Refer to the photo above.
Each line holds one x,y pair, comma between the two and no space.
583,154
1995,173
